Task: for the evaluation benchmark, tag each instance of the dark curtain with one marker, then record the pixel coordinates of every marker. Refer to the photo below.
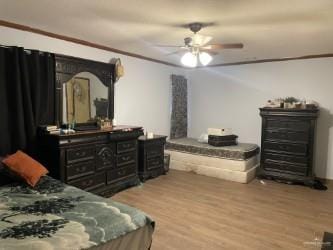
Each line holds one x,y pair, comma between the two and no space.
179,107
27,93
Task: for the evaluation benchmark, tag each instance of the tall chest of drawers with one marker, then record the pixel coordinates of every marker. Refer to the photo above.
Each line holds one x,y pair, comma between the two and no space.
96,161
287,143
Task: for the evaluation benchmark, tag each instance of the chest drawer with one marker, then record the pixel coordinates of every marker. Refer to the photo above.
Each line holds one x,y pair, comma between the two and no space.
127,158
105,156
115,175
152,152
284,167
294,136
126,146
288,148
80,169
286,158
80,154
295,125
155,162
90,182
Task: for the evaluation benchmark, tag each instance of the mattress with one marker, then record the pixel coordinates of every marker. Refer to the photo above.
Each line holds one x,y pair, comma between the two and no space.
242,171
54,215
242,151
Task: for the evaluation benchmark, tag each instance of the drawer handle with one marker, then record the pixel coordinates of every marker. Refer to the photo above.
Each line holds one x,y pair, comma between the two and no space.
87,183
283,147
81,169
155,162
127,145
80,154
121,172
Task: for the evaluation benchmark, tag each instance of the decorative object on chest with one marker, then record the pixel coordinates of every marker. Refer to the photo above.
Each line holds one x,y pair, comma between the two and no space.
102,162
287,142
151,156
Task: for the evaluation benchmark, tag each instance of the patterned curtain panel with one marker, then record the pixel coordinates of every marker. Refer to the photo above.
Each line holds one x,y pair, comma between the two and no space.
179,107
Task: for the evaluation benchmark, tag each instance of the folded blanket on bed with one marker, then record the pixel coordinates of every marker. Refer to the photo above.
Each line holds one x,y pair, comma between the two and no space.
57,216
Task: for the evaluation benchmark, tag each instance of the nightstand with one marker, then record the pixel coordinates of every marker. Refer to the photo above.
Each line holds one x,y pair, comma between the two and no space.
151,156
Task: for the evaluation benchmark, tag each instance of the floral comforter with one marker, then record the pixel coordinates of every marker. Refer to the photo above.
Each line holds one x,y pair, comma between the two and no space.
54,215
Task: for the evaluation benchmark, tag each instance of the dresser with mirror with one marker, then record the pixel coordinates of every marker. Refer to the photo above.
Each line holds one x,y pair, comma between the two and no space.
102,161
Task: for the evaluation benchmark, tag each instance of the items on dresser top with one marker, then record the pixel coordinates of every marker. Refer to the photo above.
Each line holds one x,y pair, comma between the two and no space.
287,144
291,103
100,161
151,156
48,129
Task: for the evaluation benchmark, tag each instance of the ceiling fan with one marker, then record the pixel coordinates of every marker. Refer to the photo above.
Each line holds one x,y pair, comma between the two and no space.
197,47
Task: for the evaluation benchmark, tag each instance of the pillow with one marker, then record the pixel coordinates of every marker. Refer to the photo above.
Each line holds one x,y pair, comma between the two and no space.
25,167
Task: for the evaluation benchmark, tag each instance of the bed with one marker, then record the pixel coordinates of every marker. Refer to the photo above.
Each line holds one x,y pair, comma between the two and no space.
235,163
54,215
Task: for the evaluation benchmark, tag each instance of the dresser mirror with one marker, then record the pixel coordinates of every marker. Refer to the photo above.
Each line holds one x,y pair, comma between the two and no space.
85,99
84,91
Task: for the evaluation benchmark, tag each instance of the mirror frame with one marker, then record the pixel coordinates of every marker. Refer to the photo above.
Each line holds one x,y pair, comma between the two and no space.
67,67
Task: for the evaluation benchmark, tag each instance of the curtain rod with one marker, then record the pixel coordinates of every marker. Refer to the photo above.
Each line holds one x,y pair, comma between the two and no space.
26,50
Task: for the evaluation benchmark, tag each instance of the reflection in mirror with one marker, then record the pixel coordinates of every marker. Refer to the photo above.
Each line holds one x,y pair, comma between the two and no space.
85,99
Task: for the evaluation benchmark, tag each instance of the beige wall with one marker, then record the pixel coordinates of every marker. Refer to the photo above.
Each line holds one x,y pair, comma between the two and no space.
231,96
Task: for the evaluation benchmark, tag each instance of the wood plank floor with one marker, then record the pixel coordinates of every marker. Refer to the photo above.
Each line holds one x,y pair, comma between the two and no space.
198,212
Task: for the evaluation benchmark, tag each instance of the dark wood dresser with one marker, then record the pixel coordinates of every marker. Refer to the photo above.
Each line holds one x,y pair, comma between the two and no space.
287,142
151,156
102,162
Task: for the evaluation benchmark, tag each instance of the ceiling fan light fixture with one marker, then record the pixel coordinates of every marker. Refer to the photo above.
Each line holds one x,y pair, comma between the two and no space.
205,58
189,59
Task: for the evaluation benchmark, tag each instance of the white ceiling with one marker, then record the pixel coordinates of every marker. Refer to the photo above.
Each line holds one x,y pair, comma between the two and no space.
267,28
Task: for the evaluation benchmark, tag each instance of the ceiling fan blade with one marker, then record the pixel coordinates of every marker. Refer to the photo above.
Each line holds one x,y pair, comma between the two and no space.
212,53
169,46
200,40
224,46
174,53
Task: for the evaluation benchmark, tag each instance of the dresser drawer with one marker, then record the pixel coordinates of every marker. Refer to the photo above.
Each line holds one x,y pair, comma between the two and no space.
105,156
126,146
289,148
90,182
286,158
127,158
298,136
115,175
152,152
271,165
155,162
80,169
80,154
288,124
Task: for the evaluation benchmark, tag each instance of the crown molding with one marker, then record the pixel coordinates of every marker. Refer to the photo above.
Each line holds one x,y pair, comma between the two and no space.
82,42
314,56
110,49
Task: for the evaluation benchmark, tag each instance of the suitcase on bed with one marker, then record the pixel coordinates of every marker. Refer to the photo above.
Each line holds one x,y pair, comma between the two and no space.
221,141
